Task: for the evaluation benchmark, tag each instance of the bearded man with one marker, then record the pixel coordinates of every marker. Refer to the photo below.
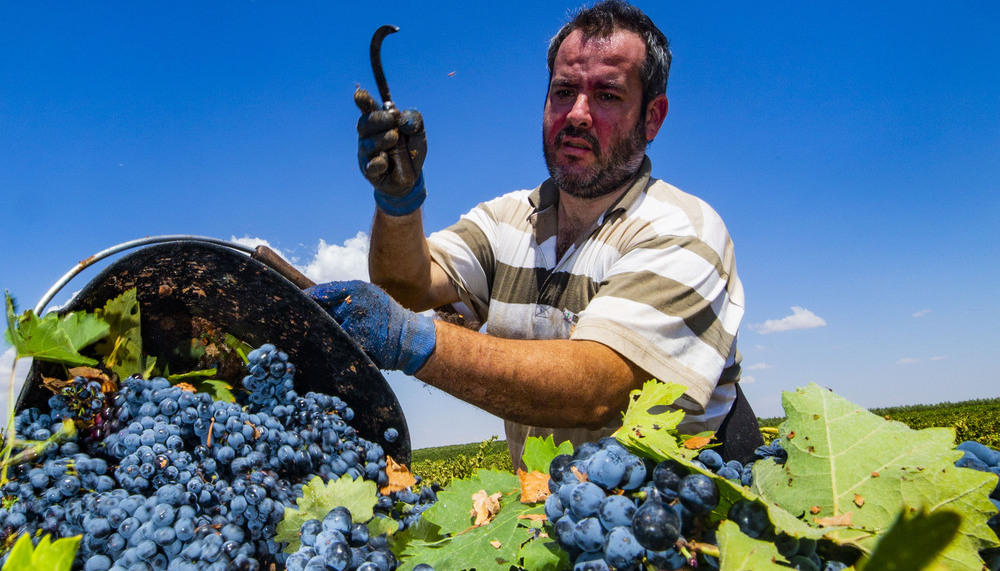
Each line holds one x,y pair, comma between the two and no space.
594,282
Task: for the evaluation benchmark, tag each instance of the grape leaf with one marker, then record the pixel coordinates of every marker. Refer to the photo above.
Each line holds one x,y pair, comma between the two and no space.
53,338
740,552
913,543
544,555
318,498
838,451
539,452
122,349
496,545
648,425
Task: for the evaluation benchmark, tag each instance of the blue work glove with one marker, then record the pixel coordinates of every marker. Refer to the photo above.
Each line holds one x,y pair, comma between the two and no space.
392,145
393,337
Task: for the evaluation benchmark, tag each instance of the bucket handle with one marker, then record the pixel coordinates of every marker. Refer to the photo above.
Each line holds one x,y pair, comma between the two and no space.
262,253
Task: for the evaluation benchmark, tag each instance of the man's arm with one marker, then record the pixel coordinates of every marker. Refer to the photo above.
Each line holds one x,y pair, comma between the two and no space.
549,383
400,263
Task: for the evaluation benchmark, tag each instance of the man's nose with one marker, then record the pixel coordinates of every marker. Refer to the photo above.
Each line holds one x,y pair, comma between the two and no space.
579,114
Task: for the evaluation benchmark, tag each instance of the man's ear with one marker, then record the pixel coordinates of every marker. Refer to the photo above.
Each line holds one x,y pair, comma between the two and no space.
656,112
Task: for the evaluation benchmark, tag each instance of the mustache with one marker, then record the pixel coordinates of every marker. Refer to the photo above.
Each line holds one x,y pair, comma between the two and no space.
576,132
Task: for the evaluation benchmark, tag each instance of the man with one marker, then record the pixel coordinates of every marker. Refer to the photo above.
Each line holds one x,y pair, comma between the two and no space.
589,285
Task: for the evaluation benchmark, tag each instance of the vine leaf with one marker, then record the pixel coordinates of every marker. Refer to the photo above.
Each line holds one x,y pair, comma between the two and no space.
53,338
649,425
835,448
318,498
122,348
539,452
503,542
914,542
738,551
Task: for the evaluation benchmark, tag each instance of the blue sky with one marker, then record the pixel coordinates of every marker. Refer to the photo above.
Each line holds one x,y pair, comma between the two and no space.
852,148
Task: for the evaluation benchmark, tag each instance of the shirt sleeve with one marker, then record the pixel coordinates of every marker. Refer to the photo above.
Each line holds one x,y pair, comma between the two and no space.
464,252
668,305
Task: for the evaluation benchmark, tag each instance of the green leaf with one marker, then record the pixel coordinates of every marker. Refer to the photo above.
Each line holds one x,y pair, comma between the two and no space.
20,555
649,425
468,547
845,462
49,555
122,350
242,348
914,543
740,552
54,338
539,452
318,498
192,376
543,554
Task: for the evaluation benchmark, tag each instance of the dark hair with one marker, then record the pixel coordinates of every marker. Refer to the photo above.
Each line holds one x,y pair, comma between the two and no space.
609,16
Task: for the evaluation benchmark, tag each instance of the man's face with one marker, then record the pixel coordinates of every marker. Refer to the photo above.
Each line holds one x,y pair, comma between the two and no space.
593,134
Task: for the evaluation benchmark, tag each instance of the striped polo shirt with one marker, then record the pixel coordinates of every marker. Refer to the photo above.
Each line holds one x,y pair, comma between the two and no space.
654,278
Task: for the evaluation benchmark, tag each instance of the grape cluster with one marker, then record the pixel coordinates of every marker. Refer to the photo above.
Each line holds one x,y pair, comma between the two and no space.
613,510
178,480
985,459
82,399
336,543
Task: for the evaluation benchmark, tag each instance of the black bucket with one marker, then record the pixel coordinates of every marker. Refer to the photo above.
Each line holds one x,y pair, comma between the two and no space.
182,284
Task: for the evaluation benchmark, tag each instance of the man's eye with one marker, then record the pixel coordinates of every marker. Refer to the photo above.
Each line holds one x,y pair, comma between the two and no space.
609,97
564,93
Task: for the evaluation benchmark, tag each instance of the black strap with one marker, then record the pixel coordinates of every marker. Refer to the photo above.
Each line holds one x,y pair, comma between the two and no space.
739,432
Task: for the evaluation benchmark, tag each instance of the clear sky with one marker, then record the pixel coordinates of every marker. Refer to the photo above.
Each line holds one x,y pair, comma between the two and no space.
853,149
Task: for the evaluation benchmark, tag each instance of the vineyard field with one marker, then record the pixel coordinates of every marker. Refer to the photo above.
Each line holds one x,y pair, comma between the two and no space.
977,420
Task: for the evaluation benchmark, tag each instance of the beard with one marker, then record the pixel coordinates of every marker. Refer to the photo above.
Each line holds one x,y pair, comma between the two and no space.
610,169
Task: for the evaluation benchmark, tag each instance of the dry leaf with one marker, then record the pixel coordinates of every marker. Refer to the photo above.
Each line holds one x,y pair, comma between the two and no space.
496,544
534,486
55,385
186,387
533,517
815,510
400,477
875,474
842,519
484,507
696,442
858,500
579,475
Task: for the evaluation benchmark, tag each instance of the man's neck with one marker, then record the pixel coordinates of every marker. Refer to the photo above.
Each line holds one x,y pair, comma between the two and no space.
577,214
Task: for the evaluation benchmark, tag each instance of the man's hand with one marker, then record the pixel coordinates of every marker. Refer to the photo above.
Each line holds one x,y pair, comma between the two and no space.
399,188
393,337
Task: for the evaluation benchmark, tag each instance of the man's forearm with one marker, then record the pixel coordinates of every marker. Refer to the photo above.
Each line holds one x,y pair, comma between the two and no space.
398,259
552,383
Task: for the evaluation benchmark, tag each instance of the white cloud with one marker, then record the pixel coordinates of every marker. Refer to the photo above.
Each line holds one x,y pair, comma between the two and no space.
800,318
747,379
758,367
921,313
336,263
913,361
330,262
